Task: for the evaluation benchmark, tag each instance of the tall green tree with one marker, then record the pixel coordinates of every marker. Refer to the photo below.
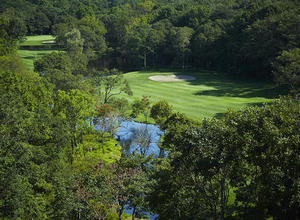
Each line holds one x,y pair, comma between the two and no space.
243,165
92,31
194,175
32,141
182,37
111,83
161,111
75,107
12,29
264,158
144,40
141,106
73,41
60,70
287,69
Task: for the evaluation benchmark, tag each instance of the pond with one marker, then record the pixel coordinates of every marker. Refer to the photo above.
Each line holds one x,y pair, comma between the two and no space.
139,137
135,137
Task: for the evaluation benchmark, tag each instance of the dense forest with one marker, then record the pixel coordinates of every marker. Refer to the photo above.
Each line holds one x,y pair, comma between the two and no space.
54,164
240,37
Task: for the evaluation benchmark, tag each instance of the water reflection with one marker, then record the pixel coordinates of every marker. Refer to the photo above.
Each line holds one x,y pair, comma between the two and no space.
134,137
139,137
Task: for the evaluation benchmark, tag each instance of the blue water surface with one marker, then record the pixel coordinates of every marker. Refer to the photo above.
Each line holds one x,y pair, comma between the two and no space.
151,216
130,131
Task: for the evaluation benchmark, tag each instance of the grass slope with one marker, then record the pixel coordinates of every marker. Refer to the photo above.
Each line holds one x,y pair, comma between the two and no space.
211,94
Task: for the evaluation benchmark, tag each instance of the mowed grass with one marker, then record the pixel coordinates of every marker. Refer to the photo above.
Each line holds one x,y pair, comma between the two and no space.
36,40
29,56
211,94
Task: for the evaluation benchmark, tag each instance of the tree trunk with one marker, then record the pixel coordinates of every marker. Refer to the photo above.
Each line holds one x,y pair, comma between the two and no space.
183,61
73,142
222,198
105,98
133,214
120,213
72,145
161,153
102,142
146,117
145,60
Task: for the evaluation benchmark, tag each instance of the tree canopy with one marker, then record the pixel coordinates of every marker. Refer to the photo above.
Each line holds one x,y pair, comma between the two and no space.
60,157
238,37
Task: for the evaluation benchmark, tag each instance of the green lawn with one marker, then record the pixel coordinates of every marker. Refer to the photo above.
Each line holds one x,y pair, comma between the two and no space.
28,56
36,40
211,94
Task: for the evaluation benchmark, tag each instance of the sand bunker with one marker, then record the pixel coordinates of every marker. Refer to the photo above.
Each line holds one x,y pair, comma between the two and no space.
49,42
172,78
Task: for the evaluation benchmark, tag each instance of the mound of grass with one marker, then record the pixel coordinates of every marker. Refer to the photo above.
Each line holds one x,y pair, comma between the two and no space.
211,94
36,40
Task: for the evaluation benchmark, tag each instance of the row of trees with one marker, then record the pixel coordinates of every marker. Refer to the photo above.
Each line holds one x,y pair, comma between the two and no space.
241,37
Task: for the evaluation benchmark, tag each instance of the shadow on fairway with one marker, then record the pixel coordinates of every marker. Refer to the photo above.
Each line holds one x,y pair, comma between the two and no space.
225,85
228,86
257,104
219,115
254,104
244,92
29,57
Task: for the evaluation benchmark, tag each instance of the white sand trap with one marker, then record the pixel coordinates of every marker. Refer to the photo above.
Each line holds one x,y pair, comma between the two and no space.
49,42
172,78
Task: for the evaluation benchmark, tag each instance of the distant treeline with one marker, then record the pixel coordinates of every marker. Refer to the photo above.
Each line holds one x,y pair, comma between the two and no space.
242,37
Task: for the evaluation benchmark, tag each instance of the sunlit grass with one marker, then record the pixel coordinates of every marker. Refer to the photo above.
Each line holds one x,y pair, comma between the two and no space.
211,94
36,40
29,55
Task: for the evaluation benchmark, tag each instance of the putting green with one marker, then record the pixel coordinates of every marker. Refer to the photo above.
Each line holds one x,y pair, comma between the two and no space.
36,40
211,94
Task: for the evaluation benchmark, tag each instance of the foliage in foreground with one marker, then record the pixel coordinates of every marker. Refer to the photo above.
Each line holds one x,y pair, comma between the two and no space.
47,146
241,167
53,165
